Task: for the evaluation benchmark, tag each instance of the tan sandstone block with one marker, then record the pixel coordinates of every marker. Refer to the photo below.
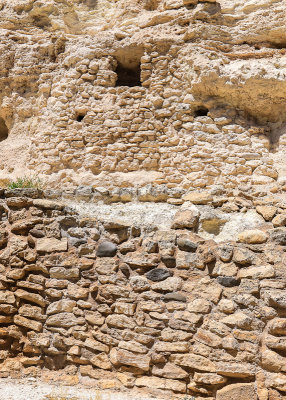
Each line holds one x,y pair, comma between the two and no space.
238,391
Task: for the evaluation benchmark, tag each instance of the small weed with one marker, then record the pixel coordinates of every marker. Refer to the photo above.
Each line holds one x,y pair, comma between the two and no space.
26,182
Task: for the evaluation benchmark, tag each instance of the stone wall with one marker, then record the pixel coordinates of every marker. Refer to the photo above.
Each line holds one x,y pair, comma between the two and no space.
207,107
163,312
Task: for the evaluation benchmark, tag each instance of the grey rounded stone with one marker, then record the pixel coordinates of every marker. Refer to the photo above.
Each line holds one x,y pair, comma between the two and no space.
227,281
175,296
106,249
187,245
158,274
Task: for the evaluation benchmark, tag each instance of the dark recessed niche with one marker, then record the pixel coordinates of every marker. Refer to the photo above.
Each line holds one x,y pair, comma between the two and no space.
3,130
80,117
128,76
201,111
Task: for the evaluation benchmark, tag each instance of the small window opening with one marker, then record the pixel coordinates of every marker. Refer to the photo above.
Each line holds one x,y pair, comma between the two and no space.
201,111
3,130
80,117
128,76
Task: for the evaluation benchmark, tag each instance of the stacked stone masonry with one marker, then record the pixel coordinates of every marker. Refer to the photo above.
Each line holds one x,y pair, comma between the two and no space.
206,108
164,311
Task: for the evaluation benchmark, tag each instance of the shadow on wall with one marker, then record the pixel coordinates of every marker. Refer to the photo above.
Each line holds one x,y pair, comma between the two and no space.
3,130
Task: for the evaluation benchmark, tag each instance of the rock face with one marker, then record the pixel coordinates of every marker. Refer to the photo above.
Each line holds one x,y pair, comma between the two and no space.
166,311
126,93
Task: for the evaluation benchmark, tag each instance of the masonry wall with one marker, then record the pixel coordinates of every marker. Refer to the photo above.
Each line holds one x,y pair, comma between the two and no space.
163,312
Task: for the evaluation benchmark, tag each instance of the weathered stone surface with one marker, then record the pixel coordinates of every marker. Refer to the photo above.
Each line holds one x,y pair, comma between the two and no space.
228,281
158,274
61,306
161,383
32,297
123,357
186,219
267,212
106,249
261,272
170,284
253,236
237,370
120,321
28,323
193,361
170,371
32,312
238,391
64,320
50,245
198,198
7,297
64,273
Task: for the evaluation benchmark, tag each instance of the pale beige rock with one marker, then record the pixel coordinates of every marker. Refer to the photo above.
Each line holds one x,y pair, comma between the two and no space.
28,323
193,361
170,371
253,236
61,306
238,391
50,245
268,212
161,383
123,357
198,198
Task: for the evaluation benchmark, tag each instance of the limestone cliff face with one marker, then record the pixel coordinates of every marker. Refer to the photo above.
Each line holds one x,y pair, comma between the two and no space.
185,93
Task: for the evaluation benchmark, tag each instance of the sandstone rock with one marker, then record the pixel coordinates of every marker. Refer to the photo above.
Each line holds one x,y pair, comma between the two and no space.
198,197
64,273
77,292
101,361
243,256
186,219
170,284
120,321
253,236
61,306
32,312
236,370
238,391
48,204
7,297
161,383
139,283
279,220
181,347
124,308
199,306
238,319
95,345
106,266
209,379
123,357
32,297
170,371
278,235
262,272
267,212
28,323
64,320
193,361
50,245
